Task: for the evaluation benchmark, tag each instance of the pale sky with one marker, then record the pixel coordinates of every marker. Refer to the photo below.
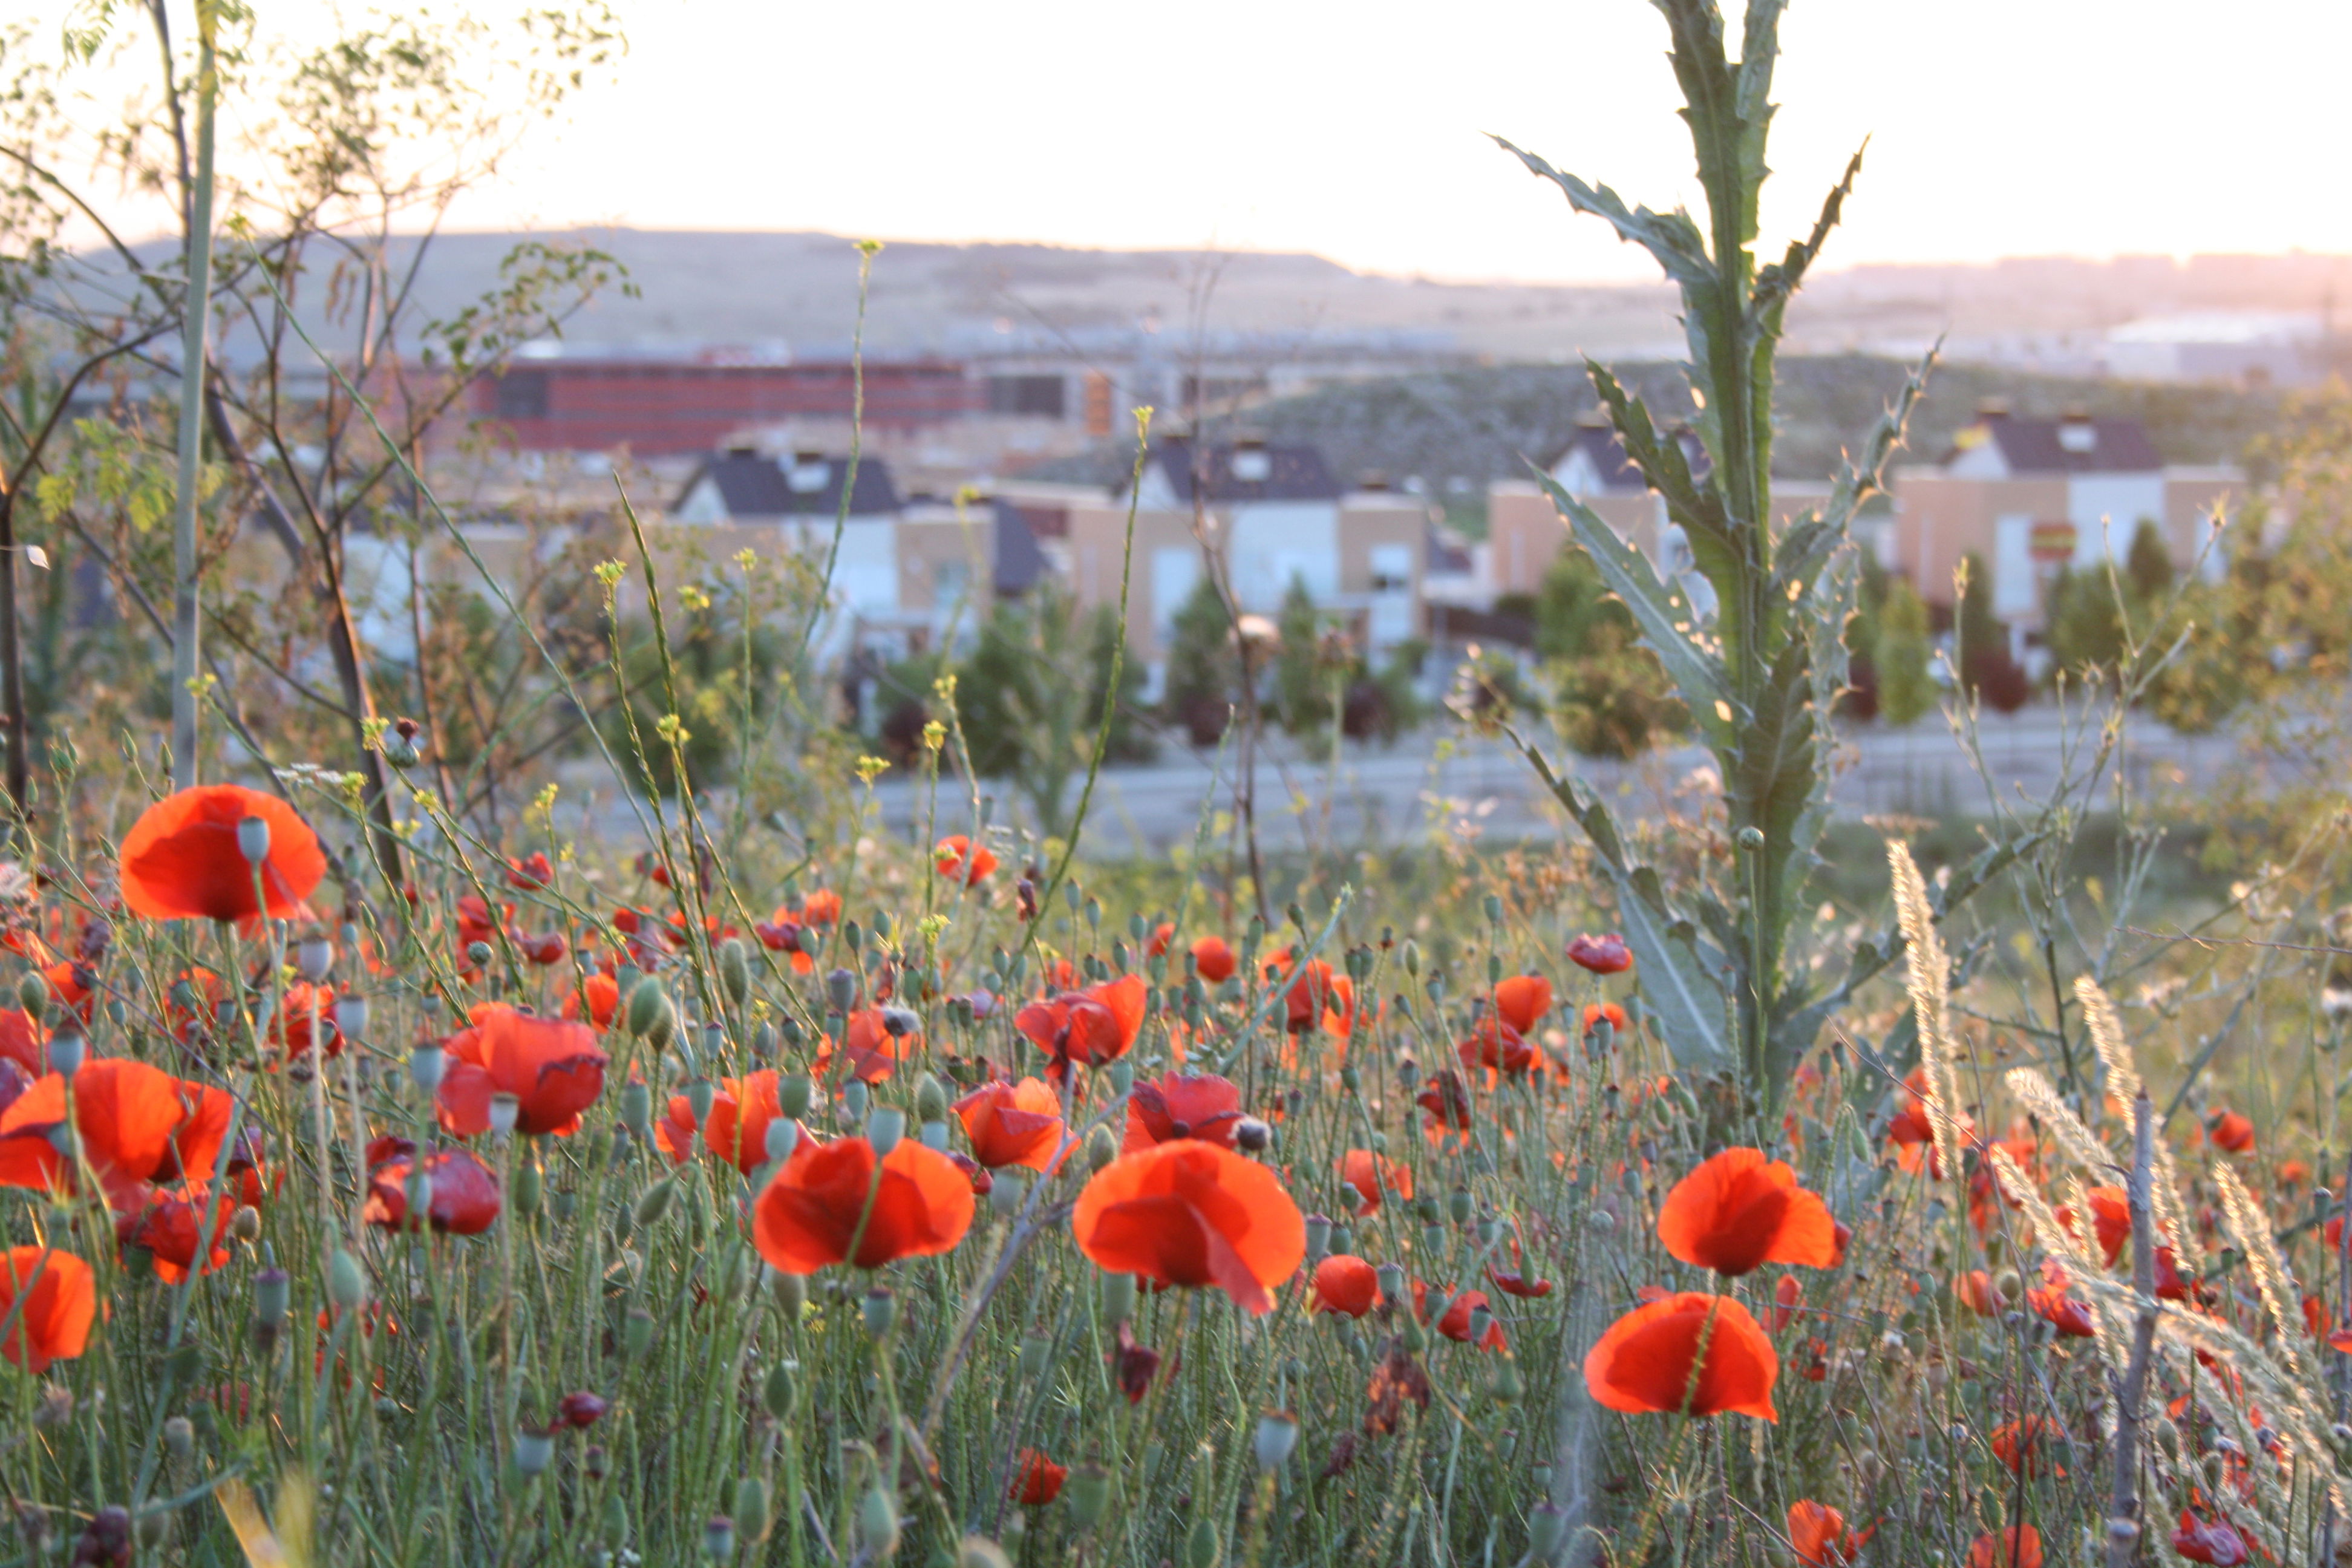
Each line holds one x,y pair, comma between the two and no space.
1997,127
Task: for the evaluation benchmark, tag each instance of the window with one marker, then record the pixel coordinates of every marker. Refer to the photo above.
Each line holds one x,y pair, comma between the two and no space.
1040,396
1392,568
520,394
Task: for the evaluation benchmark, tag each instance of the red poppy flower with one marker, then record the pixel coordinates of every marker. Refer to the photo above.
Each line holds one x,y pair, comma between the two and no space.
1037,1480
1643,1362
138,1125
1347,1285
2018,1445
1600,954
1012,1123
827,1195
581,1409
2110,1220
2232,1132
1495,1045
1975,1290
742,1111
1182,1105
1189,1213
169,1223
1786,1294
465,1198
1368,1174
1317,995
602,997
302,1006
73,986
1521,1000
783,935
180,859
555,1068
2019,1546
872,1051
2216,1541
1738,1210
2170,1285
821,908
959,859
2071,1318
1455,1322
49,1300
1213,960
545,951
1517,1285
1619,1023
1091,1027
532,872
1818,1535
24,1042
1446,1098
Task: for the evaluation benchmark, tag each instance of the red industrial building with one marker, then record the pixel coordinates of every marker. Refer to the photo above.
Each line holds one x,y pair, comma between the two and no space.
655,407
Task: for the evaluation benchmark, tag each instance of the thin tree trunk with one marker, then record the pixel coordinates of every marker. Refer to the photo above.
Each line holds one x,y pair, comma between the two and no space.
11,660
185,616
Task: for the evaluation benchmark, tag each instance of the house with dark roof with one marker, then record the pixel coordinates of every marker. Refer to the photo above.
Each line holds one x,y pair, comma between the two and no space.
2030,497
801,498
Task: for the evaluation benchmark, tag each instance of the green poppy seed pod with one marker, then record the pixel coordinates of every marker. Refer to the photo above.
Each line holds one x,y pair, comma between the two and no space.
647,1004
1118,1297
179,1436
735,970
1201,1547
1481,1319
1343,1237
979,1552
1433,1239
68,1048
637,1109
1087,1495
1457,1206
530,1187
783,1135
1036,1357
853,936
1122,1077
253,839
1490,1230
1412,958
878,1522
33,995
780,1391
1392,1281
1277,1435
638,1335
793,1093
346,1284
2008,1286
533,1451
1547,1529
700,1094
880,1311
1752,838
1359,963
1101,1148
718,1538
1318,1237
272,1293
1006,1191
763,1041
245,1223
1425,1209
1414,1338
477,953
1604,1035
427,1064
654,1201
884,1127
1662,1114
617,1520
790,1292
752,1509
313,957
854,1097
1352,1080
1603,1220
931,1100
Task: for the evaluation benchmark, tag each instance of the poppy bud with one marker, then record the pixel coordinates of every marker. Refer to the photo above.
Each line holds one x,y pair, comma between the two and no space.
648,1005
637,1108
1493,969
1318,1237
253,839
1101,1148
783,1135
245,1223
1547,1528
33,994
1251,1135
530,1186
1086,1494
506,1109
67,1050
655,1202
1343,1237
1750,839
533,1451
884,1127
979,1552
752,1508
1277,1435
854,1097
1437,988
735,970
477,953
2008,1286
880,1311
593,1461
313,956
931,1100
425,1065
637,1333
763,1041
793,1092
878,1521
346,1285
780,1390
698,1097
1201,1547
1392,1281
719,1539
790,1292
1036,1356
1006,1193
841,988
1118,1297
272,1291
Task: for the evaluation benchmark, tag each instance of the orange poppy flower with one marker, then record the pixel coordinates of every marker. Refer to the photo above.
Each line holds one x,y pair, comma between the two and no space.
1369,1173
872,1051
1494,1045
959,859
24,1042
1642,1362
1092,1027
599,996
290,1029
821,907
1012,1123
826,1195
59,1297
1213,960
1818,1535
1316,994
740,1114
1521,1000
1182,1105
1786,1295
531,873
1600,954
1619,1023
1037,1480
1189,1213
2215,1541
180,859
2017,1445
73,986
1975,1288
1454,1321
1163,936
2019,1546
1347,1285
465,1198
2049,1301
554,1068
1738,1210
169,1223
138,1125
2111,1220
2231,1132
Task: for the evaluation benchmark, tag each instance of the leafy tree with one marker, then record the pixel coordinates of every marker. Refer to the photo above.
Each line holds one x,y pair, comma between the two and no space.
1573,608
1907,687
1988,670
2147,567
1031,700
1204,675
2083,623
1303,667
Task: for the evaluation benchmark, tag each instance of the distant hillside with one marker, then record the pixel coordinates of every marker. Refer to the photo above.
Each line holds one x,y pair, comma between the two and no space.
1458,429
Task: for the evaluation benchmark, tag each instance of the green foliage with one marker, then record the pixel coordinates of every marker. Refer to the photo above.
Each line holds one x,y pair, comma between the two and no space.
2148,565
1027,715
1902,658
1203,677
1609,697
1309,662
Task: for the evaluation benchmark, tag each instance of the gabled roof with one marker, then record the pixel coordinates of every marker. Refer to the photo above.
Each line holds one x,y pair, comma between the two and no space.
1606,451
2036,446
751,485
1292,473
1019,564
